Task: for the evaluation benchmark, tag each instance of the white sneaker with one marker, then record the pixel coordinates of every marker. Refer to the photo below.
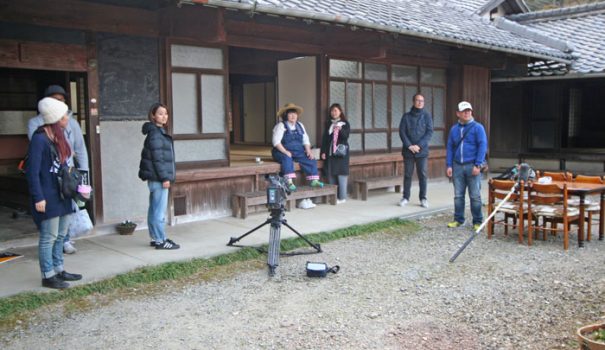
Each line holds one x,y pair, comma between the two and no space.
424,203
306,204
403,202
68,248
340,201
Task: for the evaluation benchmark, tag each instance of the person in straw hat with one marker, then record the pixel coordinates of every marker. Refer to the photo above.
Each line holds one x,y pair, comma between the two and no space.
48,151
291,144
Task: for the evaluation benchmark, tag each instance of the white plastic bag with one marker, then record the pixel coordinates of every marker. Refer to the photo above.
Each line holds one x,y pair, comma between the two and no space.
80,224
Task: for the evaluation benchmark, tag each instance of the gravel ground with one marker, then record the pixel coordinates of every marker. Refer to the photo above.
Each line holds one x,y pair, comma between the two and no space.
393,292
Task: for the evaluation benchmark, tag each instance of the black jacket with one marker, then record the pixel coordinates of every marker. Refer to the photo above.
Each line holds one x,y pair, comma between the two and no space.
335,165
157,157
416,128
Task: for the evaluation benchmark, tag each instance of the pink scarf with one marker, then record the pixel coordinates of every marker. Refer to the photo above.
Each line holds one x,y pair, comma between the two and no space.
335,139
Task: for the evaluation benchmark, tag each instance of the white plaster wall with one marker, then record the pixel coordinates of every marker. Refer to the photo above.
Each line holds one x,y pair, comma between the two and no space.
125,196
297,83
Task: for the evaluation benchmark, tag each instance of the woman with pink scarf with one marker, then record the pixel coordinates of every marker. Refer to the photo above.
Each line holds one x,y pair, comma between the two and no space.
335,150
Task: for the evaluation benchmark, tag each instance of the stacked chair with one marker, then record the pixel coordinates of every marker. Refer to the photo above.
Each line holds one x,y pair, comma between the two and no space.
592,204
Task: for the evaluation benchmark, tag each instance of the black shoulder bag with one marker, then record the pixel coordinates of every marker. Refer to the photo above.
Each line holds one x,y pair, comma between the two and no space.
462,138
69,179
484,166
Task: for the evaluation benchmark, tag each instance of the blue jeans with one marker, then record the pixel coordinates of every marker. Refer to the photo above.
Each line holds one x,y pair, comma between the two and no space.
156,215
341,181
50,245
421,171
463,178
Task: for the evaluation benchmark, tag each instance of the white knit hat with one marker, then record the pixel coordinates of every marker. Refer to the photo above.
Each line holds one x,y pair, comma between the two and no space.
52,110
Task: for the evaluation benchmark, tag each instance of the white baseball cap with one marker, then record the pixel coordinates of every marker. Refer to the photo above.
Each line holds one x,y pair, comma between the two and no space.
464,106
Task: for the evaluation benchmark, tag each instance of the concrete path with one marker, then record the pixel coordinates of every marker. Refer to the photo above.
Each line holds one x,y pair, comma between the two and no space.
101,256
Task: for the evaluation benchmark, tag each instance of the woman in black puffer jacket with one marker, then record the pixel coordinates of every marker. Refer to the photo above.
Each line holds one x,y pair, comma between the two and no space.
158,168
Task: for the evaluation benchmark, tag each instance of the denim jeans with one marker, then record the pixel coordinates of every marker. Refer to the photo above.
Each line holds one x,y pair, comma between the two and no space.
463,178
156,215
50,245
341,181
421,171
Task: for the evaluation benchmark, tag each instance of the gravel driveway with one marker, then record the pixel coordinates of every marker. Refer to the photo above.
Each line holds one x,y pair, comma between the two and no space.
394,291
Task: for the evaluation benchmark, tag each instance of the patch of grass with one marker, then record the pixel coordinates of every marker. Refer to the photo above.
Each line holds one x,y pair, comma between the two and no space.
14,307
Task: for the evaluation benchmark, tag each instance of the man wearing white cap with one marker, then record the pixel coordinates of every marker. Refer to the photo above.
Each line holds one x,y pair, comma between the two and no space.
466,149
74,136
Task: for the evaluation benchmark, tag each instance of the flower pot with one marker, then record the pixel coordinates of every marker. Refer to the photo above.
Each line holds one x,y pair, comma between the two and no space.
586,342
126,229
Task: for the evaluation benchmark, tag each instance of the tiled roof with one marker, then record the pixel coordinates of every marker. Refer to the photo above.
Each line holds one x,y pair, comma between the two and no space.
469,5
436,20
582,26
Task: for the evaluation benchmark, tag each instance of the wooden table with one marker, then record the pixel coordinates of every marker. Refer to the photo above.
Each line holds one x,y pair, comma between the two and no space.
581,189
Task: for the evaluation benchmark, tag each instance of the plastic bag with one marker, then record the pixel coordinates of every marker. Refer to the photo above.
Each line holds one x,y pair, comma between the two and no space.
80,224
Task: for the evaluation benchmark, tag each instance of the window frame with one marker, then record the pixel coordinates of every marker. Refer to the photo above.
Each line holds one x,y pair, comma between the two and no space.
199,73
389,129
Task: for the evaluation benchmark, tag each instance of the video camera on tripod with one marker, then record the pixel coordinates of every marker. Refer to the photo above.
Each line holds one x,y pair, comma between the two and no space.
277,191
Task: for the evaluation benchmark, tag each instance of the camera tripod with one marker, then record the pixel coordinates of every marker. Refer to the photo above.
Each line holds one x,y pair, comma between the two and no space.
275,219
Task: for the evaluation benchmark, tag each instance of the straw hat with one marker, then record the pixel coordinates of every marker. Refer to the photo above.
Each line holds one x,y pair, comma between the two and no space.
288,106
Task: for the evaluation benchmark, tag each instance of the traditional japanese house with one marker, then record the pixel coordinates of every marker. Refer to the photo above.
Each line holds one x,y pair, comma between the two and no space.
225,66
552,115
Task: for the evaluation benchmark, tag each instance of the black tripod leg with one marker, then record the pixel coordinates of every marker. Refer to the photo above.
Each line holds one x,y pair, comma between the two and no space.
273,251
316,246
233,240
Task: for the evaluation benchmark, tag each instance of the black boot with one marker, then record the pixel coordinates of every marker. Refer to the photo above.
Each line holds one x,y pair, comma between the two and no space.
54,282
66,276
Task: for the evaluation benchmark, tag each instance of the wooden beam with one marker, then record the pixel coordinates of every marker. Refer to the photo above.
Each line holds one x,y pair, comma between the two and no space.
51,56
193,22
91,126
491,60
273,44
81,15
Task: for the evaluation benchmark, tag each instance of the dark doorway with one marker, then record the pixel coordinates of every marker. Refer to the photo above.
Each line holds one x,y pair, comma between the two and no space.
20,90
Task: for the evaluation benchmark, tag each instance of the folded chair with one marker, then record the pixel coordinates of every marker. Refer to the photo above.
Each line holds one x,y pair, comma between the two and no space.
549,202
592,204
556,176
513,209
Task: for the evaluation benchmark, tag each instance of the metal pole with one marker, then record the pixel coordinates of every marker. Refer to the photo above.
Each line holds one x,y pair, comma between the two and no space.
476,233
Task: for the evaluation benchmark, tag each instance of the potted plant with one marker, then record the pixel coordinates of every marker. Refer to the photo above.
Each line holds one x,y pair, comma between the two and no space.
126,227
592,337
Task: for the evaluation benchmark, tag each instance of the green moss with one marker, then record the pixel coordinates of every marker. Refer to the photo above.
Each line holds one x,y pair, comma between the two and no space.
19,305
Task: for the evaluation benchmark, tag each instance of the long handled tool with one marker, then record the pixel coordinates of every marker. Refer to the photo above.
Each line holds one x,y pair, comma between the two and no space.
524,173
476,233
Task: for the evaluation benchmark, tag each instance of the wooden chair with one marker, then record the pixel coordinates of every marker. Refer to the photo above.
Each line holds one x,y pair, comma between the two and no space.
514,208
549,202
556,176
592,204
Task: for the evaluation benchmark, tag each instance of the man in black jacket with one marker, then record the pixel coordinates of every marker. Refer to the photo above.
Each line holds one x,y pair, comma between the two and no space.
415,130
